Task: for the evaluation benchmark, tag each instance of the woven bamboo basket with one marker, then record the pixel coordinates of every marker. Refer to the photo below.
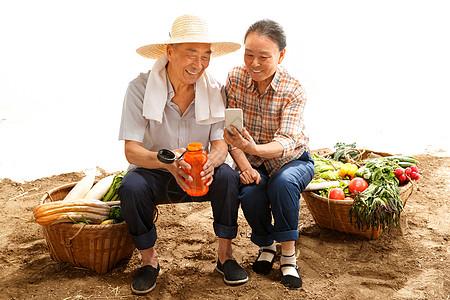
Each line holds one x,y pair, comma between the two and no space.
96,247
335,214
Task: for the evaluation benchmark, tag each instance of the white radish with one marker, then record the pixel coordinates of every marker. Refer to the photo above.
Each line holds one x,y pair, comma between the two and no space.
315,186
82,187
100,188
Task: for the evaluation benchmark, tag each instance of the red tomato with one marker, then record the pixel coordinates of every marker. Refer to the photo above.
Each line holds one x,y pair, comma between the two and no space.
336,193
357,184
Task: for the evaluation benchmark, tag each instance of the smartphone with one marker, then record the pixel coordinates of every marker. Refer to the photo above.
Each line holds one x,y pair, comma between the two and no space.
234,116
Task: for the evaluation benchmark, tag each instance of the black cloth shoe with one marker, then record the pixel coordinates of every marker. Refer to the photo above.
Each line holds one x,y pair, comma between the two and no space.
263,266
233,273
145,280
292,282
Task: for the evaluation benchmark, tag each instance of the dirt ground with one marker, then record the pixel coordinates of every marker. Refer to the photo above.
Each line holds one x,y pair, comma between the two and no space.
409,262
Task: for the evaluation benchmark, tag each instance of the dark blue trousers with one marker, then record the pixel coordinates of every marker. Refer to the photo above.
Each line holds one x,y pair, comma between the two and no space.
277,196
142,189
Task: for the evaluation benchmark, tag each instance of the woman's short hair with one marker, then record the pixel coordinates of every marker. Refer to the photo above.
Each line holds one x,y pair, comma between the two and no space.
271,29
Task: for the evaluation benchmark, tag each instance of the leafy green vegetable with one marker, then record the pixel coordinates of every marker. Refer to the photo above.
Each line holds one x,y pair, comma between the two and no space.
116,213
381,171
322,167
322,164
340,149
380,203
331,175
80,222
342,184
318,179
363,172
111,194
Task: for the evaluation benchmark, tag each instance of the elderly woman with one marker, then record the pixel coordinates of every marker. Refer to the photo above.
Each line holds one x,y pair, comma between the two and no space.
272,150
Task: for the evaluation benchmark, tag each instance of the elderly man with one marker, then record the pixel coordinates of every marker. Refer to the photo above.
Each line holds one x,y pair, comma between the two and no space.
173,105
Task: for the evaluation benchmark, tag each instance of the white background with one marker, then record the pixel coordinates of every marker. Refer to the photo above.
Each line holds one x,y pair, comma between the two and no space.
376,73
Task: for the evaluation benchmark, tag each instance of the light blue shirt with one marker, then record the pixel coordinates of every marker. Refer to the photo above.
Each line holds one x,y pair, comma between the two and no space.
175,131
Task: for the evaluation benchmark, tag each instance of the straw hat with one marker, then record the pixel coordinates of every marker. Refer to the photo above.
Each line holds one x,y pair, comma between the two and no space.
188,29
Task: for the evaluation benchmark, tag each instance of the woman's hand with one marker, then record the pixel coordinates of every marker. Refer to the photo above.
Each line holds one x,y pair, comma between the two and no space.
249,176
242,141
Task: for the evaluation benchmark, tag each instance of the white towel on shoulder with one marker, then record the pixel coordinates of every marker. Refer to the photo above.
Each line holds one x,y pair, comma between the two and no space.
209,102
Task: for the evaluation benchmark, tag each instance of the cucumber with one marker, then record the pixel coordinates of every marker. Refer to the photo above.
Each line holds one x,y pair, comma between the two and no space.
405,164
402,158
116,213
403,161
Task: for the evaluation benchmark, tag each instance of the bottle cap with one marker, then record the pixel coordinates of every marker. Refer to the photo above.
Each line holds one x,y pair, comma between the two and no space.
195,146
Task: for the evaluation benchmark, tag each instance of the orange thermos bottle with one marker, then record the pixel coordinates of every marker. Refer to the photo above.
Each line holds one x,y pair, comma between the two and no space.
196,157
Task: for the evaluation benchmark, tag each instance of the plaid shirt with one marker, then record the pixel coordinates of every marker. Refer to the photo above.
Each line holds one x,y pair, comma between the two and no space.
276,115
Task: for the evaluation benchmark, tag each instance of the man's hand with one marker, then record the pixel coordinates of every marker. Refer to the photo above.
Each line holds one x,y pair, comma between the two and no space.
177,170
249,176
216,156
208,172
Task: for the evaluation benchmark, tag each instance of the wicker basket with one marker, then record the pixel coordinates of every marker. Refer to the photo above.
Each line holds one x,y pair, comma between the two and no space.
335,214
96,247
363,153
